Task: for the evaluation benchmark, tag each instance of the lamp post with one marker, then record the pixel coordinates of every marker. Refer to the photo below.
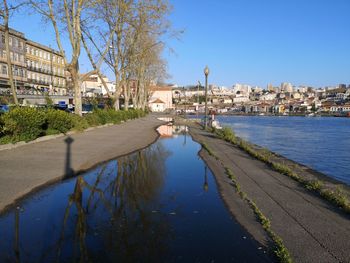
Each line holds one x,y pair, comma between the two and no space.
199,84
206,73
185,103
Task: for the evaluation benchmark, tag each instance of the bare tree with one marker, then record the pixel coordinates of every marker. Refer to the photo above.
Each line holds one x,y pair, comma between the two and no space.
129,21
67,15
5,13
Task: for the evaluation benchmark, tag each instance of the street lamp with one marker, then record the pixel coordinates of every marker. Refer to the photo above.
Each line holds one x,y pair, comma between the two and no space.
206,73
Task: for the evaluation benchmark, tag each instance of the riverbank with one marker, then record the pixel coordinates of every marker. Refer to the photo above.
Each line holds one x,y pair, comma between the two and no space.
32,166
312,229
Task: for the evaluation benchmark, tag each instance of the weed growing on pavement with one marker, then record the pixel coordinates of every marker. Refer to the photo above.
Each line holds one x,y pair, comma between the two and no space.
280,250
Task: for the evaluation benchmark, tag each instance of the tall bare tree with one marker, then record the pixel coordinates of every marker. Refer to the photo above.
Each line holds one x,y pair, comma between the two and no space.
129,21
67,15
6,10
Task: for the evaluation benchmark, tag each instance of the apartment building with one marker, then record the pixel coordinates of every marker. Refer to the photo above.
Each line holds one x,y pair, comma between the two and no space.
45,69
17,54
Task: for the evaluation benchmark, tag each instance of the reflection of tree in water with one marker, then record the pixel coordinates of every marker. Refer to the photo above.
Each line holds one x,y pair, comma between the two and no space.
118,215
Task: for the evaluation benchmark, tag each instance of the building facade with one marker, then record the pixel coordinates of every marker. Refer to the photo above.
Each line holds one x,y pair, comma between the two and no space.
17,44
93,86
160,98
45,69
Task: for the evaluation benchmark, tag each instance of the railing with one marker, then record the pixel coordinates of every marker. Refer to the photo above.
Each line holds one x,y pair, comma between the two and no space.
49,72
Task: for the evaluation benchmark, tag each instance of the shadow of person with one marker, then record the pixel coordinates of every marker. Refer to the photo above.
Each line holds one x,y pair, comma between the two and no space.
69,172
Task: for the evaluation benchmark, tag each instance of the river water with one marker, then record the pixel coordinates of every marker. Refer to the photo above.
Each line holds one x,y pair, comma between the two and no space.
160,204
322,143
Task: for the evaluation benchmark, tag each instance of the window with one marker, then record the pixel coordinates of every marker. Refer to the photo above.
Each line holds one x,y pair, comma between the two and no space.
27,49
21,45
44,55
10,41
4,54
40,54
4,70
36,52
48,55
58,60
15,40
32,51
3,38
28,75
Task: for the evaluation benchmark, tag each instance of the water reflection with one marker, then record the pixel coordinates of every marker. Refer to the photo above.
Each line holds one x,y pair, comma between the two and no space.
111,206
151,206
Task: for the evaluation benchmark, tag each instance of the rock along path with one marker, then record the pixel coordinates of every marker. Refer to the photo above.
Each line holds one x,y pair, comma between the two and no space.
311,228
31,166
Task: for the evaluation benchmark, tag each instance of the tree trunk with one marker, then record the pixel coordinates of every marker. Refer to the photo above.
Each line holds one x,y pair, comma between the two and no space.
77,89
126,95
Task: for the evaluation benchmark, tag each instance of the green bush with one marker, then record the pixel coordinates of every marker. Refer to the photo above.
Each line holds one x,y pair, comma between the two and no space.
79,123
23,124
58,120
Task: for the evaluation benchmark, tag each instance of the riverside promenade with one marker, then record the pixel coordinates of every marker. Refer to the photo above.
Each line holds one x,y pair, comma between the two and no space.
34,165
312,229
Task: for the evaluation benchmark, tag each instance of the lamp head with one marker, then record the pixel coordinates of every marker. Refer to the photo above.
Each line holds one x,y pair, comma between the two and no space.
206,71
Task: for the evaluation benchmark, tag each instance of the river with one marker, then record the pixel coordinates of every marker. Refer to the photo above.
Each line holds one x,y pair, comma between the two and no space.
160,204
322,143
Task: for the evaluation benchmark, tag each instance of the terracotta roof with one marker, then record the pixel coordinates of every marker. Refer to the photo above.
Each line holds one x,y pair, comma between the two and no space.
158,101
157,88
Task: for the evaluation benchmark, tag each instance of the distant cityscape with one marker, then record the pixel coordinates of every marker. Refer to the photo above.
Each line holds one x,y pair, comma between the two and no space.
284,99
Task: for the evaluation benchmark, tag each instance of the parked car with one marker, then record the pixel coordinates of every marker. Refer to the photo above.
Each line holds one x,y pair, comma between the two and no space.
87,108
4,108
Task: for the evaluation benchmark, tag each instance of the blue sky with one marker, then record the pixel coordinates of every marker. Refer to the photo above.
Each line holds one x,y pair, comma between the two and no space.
306,42
262,41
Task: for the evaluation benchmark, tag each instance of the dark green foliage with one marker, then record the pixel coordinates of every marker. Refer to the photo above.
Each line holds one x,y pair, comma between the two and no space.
23,124
58,120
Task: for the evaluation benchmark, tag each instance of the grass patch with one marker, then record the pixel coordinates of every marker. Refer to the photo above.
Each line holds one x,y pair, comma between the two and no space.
211,153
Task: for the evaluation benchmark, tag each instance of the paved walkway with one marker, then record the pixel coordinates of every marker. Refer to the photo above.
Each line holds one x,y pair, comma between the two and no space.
312,229
30,166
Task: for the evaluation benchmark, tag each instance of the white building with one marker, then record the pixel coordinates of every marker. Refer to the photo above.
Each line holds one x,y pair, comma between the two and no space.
160,98
242,89
93,86
286,87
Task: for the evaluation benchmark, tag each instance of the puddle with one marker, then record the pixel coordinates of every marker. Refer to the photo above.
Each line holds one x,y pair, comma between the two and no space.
160,204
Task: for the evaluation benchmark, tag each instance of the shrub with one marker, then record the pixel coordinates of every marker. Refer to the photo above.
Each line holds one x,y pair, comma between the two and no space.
58,120
23,124
79,123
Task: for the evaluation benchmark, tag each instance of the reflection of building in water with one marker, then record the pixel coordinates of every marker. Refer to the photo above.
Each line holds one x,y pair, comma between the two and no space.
171,130
165,131
180,129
